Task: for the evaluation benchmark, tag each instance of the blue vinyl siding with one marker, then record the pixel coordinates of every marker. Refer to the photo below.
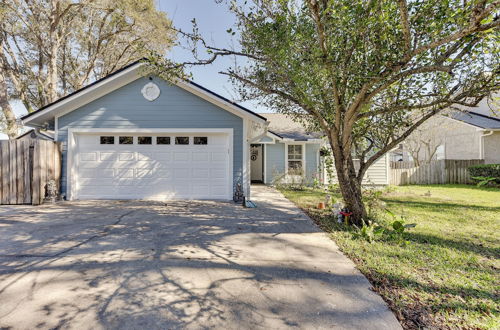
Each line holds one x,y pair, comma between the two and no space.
275,161
175,108
312,166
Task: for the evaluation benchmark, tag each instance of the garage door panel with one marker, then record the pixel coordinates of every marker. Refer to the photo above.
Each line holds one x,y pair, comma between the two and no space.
219,157
96,174
163,173
122,182
217,173
201,156
162,156
218,190
181,173
200,190
200,173
108,156
126,156
143,173
153,171
88,156
124,173
181,156
96,190
92,182
182,188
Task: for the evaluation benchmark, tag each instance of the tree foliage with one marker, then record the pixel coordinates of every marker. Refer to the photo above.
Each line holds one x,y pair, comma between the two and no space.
367,73
50,48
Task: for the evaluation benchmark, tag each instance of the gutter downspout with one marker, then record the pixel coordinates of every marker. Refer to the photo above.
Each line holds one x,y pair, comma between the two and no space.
481,143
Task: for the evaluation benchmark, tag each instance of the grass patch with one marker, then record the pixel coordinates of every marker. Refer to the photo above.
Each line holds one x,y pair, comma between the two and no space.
448,276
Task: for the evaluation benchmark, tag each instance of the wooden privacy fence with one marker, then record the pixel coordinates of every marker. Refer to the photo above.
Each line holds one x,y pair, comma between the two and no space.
436,172
26,167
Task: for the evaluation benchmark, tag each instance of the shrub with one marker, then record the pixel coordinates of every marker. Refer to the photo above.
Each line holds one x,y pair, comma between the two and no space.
294,180
484,174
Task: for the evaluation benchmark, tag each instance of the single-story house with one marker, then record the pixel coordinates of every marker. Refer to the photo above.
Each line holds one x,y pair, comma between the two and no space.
288,145
456,135
472,135
130,136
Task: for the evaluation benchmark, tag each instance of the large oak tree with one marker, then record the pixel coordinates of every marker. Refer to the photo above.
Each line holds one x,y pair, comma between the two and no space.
367,73
49,48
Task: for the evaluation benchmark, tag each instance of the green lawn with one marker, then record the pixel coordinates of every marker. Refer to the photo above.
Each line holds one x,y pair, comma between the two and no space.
448,276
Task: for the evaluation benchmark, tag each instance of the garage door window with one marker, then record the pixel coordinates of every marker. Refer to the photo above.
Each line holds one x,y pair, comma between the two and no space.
107,140
163,140
145,140
200,140
181,140
126,140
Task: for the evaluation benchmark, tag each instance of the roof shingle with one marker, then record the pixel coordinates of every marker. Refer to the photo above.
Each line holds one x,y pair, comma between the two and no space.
476,119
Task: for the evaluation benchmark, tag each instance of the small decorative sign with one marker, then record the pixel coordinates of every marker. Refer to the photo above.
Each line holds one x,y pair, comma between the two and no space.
254,154
150,91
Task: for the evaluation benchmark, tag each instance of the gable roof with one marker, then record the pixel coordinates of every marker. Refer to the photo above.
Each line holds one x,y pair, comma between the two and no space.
35,134
119,79
285,127
476,119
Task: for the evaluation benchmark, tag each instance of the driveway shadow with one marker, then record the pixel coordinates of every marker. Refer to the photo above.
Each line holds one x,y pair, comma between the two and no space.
197,264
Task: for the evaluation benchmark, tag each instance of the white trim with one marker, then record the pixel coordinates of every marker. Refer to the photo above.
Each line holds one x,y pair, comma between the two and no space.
256,140
286,157
123,78
304,167
219,102
318,163
71,174
150,130
100,89
264,172
387,169
481,142
276,136
309,141
303,156
268,134
56,128
245,177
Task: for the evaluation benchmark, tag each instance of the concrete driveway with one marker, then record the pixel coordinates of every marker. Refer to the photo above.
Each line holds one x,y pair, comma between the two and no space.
148,265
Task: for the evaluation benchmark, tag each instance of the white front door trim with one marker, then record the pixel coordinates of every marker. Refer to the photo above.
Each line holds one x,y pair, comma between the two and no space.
72,175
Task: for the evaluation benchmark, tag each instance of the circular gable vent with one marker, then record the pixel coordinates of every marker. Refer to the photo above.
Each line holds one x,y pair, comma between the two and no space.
150,91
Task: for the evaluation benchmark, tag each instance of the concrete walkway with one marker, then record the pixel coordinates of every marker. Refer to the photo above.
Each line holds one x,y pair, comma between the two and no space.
150,265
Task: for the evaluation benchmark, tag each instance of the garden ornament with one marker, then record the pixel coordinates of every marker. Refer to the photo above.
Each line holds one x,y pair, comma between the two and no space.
50,192
238,196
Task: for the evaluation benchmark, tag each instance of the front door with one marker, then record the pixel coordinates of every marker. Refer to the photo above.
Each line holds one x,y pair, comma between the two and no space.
257,160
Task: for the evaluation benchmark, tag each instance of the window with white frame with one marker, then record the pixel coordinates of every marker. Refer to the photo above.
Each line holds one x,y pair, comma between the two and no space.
295,159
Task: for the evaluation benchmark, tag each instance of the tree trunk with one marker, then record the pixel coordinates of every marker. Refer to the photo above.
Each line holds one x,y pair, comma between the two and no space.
52,74
10,117
350,187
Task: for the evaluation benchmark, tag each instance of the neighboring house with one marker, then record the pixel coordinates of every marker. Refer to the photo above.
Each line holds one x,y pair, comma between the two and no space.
127,136
456,135
287,145
474,136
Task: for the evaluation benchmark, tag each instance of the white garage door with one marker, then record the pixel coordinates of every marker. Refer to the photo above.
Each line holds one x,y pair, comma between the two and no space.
152,166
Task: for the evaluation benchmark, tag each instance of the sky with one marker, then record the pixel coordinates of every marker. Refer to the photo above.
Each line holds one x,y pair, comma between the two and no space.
213,20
